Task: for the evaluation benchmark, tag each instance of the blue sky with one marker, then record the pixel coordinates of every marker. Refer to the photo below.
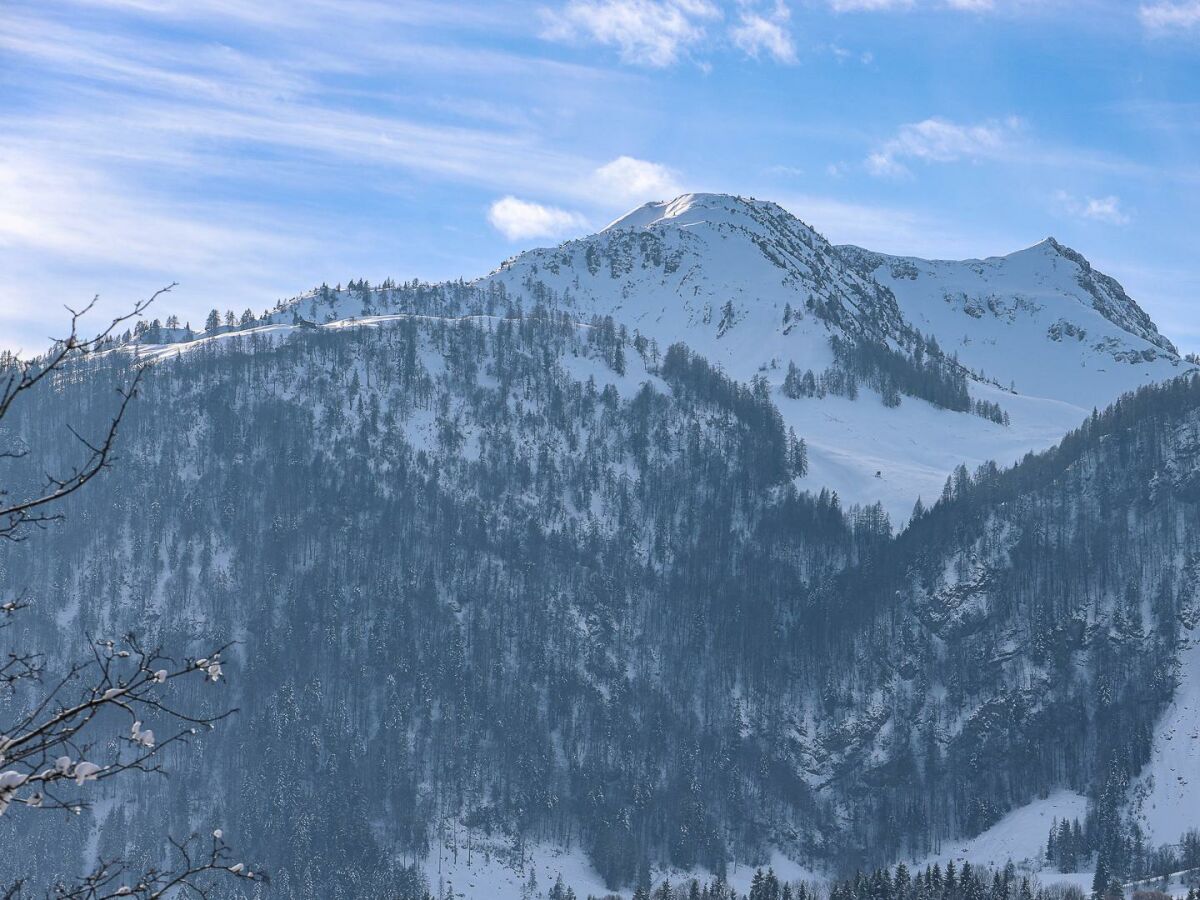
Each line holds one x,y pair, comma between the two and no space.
252,150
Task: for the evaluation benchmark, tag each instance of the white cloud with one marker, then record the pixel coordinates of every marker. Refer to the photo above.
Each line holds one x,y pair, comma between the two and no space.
868,5
1161,18
757,33
939,140
1096,209
628,180
647,32
894,5
660,33
520,219
883,165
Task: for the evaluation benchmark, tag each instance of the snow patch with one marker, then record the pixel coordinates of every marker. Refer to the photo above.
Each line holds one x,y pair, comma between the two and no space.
1020,837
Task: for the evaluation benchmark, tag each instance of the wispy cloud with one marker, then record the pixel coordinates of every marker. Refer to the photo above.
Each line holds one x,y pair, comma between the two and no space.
646,32
521,219
662,33
975,6
759,32
868,5
1095,209
126,160
1168,17
68,230
941,141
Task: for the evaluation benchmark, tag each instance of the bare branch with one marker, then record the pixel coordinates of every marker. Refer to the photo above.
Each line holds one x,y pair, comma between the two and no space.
201,863
15,516
64,741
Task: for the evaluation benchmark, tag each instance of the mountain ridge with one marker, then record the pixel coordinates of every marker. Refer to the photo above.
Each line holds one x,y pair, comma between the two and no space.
856,357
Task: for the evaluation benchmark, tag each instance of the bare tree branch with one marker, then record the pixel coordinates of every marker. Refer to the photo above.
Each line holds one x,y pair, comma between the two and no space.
20,376
200,863
64,740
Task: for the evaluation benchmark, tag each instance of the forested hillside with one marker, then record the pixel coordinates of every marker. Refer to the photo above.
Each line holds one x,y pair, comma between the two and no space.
512,574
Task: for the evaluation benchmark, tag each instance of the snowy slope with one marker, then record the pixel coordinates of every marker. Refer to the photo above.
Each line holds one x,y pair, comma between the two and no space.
668,268
1168,795
493,870
1020,837
1041,320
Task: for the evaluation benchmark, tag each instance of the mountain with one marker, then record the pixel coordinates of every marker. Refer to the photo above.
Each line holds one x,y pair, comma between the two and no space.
1039,337
1041,320
552,562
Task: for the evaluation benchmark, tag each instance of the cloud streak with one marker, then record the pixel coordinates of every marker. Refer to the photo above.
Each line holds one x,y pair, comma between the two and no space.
661,33
939,140
1165,18
129,156
1106,210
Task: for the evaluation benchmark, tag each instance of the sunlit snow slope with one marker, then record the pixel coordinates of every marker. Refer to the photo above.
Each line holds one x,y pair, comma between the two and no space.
1169,792
1042,321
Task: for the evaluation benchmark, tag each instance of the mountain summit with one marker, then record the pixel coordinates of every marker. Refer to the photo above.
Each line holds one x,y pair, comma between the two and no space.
1038,338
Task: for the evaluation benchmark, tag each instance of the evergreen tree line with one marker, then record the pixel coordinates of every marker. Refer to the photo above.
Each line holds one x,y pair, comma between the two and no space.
924,372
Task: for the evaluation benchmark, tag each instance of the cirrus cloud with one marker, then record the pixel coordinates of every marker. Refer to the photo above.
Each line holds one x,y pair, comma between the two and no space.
1160,18
661,33
940,140
768,33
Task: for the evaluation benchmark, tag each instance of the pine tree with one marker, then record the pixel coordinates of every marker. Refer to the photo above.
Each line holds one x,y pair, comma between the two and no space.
728,318
1100,879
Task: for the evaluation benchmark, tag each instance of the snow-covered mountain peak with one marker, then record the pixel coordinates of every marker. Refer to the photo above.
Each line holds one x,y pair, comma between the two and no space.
1042,320
957,361
692,209
740,280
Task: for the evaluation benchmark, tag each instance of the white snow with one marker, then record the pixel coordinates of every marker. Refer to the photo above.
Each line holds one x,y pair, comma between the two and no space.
1020,837
994,314
496,872
997,314
1168,793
